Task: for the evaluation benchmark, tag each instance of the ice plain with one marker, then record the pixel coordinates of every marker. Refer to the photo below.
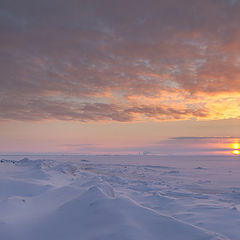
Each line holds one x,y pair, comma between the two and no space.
119,197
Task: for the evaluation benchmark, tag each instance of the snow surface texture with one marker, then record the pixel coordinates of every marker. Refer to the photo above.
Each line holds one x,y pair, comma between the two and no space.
120,198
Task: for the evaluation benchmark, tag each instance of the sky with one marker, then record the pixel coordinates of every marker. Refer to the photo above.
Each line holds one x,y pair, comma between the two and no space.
120,77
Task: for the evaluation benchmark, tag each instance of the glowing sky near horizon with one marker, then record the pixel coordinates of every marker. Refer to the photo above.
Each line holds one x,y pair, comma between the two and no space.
90,76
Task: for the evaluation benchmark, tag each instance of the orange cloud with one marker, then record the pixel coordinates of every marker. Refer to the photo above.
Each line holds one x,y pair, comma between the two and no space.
161,60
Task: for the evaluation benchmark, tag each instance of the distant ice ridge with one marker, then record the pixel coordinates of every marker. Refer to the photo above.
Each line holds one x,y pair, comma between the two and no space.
46,200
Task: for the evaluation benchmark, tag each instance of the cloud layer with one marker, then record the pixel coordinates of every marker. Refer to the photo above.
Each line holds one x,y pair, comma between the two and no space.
119,60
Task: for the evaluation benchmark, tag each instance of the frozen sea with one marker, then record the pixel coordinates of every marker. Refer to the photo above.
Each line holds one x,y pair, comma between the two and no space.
119,197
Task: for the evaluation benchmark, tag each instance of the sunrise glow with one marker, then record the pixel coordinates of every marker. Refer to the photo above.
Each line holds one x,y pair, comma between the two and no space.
236,148
236,152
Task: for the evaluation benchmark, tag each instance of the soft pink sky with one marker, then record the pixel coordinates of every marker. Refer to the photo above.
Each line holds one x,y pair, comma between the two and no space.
121,138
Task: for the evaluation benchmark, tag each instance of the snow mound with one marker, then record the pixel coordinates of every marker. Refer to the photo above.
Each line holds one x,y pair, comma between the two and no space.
95,215
12,187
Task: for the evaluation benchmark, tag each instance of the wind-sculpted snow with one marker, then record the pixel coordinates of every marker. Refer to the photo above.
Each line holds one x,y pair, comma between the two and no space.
95,201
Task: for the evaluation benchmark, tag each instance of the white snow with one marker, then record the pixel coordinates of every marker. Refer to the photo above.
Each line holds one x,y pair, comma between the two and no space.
119,197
